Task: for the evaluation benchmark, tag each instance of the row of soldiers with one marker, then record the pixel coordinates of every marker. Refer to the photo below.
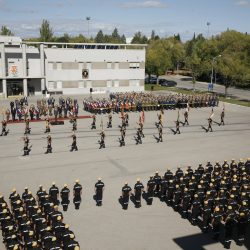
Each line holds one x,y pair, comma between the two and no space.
215,197
147,101
34,224
124,124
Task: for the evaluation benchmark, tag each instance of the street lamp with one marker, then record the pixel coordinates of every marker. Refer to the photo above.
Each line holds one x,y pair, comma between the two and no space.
88,19
212,74
208,24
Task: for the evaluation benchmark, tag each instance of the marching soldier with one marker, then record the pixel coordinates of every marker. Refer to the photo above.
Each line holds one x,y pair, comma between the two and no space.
72,244
126,119
122,139
74,124
177,127
206,216
65,197
160,134
160,118
185,204
93,124
210,121
138,189
77,194
222,116
27,126
73,145
163,188
26,148
243,219
53,192
138,137
99,188
47,126
186,118
157,179
150,190
109,124
126,191
4,131
49,146
102,140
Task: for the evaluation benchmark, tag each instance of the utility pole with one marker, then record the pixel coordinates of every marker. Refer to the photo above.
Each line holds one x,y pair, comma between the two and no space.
88,20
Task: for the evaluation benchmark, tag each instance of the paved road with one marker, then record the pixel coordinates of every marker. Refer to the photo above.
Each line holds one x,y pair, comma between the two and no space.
185,82
109,227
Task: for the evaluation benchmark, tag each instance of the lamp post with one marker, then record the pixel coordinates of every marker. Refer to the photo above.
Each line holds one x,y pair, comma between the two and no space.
212,73
88,19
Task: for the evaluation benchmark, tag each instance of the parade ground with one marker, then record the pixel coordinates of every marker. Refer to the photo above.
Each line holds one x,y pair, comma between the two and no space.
109,227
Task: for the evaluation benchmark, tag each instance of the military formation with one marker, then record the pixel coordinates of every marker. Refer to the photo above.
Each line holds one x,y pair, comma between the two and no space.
35,222
133,101
214,197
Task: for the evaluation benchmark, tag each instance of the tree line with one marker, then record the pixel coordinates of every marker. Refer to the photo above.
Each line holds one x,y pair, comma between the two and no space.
227,53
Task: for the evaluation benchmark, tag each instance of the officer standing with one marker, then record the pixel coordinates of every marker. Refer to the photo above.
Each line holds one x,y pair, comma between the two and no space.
49,146
65,197
73,145
77,191
126,191
138,189
99,188
150,190
53,192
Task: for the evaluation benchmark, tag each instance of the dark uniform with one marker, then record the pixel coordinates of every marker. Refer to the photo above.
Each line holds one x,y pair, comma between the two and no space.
53,192
65,197
138,189
157,179
49,146
150,190
123,134
160,134
99,187
138,136
77,194
216,222
126,190
73,145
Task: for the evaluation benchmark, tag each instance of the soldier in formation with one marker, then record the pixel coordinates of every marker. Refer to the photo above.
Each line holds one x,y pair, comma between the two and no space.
77,194
126,192
99,188
49,145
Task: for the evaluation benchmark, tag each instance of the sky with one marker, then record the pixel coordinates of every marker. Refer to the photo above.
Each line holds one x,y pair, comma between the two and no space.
166,17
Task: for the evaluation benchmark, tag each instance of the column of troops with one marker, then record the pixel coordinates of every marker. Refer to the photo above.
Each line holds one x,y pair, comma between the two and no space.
148,101
215,198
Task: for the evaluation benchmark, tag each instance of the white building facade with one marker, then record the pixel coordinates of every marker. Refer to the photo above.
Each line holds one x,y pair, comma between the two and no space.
65,68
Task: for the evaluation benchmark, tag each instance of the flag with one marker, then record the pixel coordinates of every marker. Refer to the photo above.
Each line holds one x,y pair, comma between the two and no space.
212,114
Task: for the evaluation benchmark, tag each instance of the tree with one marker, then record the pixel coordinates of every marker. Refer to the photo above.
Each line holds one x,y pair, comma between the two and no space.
5,31
62,39
46,33
139,38
99,37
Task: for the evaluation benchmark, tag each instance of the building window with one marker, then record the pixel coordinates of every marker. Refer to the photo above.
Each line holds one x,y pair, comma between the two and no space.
116,65
116,83
88,65
109,84
134,65
59,65
81,84
51,85
134,83
109,65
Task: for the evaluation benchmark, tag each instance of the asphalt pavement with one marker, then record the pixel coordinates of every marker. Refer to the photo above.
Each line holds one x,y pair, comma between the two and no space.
109,227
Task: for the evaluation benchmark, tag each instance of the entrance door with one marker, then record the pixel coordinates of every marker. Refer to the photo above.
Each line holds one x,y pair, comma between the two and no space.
14,87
